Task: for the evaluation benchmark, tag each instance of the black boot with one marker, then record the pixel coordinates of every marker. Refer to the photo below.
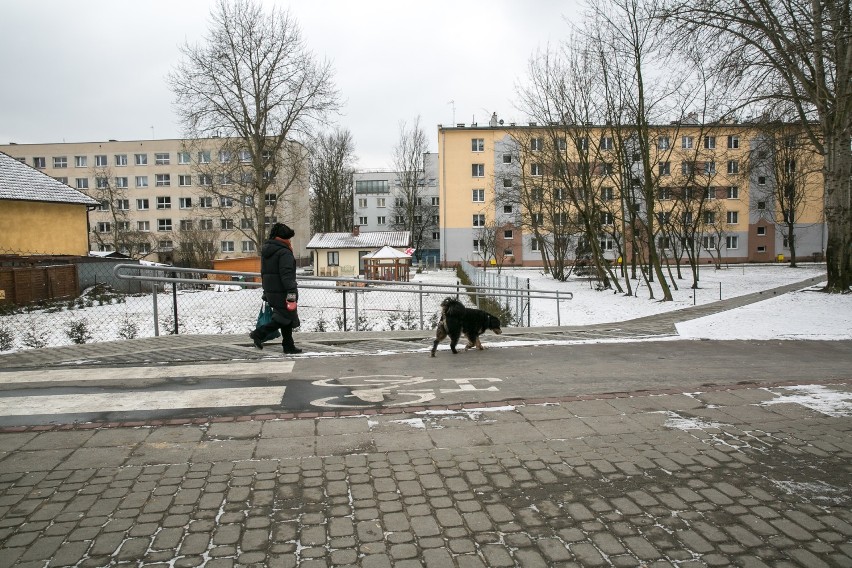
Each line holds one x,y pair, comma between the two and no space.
258,342
287,342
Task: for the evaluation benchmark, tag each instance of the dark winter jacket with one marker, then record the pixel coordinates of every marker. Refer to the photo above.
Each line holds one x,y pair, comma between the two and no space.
278,277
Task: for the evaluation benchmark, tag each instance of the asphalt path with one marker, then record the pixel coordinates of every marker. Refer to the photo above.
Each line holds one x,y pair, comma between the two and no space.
356,382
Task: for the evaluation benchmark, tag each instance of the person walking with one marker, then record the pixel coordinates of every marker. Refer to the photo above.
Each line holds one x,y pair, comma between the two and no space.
278,277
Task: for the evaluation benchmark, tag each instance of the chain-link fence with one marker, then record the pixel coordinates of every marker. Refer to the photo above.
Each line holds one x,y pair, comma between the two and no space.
118,299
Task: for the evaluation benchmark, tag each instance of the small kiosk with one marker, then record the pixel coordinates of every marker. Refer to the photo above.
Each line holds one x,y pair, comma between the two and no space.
387,263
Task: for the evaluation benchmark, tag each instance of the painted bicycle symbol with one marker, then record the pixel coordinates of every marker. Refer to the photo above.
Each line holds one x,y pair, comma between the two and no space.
390,390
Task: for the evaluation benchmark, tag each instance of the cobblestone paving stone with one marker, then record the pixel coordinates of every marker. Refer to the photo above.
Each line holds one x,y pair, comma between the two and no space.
637,481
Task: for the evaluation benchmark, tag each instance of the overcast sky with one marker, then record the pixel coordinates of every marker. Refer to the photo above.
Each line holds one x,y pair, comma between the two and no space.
90,70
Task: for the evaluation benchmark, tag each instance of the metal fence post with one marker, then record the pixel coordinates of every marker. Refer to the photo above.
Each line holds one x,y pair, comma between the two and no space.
344,310
420,288
529,305
156,311
174,302
355,293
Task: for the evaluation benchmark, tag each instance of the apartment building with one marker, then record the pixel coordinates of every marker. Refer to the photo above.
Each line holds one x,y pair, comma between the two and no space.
378,197
158,195
727,175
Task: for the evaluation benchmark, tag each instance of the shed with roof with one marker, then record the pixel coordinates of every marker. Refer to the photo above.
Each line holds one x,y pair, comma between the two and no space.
342,254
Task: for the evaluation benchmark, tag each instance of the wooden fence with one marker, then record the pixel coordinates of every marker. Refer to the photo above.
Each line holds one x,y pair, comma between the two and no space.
26,285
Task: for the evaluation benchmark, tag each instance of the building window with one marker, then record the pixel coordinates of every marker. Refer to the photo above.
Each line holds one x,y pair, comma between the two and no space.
733,192
606,143
204,157
436,201
732,217
536,170
144,226
664,193
380,202
709,217
165,245
398,202
664,243
733,167
436,236
62,180
561,144
477,170
104,227
225,202
534,245
536,144
101,183
205,202
333,258
248,246
162,180
508,209
121,183
477,144
708,242
185,202
761,249
60,162
185,224
81,183
362,220
686,142
761,180
101,161
508,234
184,180
479,220
686,168
246,224
732,242
141,159
205,224
227,246
478,195
164,202
477,245
161,158
141,181
607,243
709,168
81,161
245,156
709,193
665,168
709,142
226,224
507,182
761,231
39,163
270,199
663,143
121,159
183,158
733,142
761,205
205,180
362,203
399,220
164,224
507,158
381,220
142,204
224,156
606,218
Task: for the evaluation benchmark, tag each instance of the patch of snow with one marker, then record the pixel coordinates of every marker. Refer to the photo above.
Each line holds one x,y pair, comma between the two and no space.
820,398
678,422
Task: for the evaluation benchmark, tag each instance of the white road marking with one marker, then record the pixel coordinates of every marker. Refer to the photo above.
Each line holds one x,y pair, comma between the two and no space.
140,400
232,369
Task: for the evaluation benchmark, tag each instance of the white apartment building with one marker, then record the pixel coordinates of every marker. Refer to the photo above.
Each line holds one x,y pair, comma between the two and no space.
162,191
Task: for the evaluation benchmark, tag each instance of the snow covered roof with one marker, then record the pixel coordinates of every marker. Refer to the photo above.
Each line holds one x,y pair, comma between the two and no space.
370,240
21,182
387,252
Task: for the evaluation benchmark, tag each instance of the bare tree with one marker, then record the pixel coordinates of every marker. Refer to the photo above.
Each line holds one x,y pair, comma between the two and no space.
255,88
116,232
332,170
196,243
411,212
789,53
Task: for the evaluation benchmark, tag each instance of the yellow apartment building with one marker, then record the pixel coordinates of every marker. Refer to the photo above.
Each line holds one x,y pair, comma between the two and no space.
156,192
722,182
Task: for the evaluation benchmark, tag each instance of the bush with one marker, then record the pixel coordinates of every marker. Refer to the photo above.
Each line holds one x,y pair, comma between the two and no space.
33,339
128,328
7,338
78,331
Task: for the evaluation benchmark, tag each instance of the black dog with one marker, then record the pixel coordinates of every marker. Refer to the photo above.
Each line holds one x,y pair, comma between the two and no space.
456,320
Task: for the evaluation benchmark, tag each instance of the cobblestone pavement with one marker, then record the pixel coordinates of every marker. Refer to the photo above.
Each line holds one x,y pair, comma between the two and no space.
749,477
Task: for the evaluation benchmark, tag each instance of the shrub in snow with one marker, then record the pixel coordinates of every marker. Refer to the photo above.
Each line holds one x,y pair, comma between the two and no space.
7,338
128,329
78,331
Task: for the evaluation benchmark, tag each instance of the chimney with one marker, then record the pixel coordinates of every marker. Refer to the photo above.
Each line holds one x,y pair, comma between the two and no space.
356,230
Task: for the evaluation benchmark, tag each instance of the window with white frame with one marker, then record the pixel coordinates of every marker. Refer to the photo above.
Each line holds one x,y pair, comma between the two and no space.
709,217
508,234
686,142
121,182
183,158
185,202
607,194
664,168
143,204
122,204
362,203
62,180
248,246
733,167
226,224
761,231
120,160
536,170
663,143
245,156
144,248
606,143
141,159
536,144
477,144
507,158
162,180
708,242
224,156
733,192
205,224
141,181
104,227
60,162
164,224
479,220
246,224
165,245
709,168
39,163
478,195
686,168
761,248
144,226
606,218
81,161
185,224
709,142
381,220
561,144
227,246
709,193
477,170
732,217
205,180
733,141
537,219
184,180
205,202
436,235
507,208
81,183
398,201
204,157
478,245
362,220
164,202
103,205
101,161
583,143
399,220
664,193
686,218
333,258
535,245
732,242
161,158
507,182
101,183
380,202
664,243
436,201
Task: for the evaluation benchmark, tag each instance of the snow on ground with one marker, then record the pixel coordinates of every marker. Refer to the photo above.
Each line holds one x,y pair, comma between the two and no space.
799,315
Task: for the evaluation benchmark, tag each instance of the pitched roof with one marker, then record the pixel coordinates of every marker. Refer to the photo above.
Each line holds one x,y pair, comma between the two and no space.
387,252
375,239
21,182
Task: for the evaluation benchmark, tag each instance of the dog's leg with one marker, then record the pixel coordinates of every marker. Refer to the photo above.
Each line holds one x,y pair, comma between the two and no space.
454,340
479,344
440,335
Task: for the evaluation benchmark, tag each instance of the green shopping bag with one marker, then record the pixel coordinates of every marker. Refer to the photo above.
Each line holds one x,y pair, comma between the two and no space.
264,317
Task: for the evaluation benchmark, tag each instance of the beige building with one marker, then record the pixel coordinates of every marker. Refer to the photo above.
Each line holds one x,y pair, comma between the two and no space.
156,196
342,254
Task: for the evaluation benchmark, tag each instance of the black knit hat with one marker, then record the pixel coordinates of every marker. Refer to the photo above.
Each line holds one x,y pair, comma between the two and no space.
282,231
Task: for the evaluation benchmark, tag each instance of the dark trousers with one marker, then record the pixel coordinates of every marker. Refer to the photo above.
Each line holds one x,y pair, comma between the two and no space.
286,331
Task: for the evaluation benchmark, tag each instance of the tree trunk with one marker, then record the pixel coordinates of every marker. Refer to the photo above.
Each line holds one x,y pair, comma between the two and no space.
838,208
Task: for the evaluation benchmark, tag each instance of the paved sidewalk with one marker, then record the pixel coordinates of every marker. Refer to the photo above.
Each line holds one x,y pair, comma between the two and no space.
738,476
